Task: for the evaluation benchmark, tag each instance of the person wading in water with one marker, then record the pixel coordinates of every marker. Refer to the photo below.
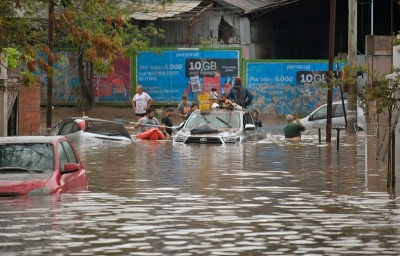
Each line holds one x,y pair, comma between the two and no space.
293,129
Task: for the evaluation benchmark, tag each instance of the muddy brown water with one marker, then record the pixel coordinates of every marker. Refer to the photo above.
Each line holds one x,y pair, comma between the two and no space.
260,198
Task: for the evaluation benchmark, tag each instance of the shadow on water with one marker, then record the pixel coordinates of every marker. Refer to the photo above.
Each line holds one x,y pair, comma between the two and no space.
265,197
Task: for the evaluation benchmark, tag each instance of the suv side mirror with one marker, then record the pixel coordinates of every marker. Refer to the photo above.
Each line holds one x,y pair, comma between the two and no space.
249,127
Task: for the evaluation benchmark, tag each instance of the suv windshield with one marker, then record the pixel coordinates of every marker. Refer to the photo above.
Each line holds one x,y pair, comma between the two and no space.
229,119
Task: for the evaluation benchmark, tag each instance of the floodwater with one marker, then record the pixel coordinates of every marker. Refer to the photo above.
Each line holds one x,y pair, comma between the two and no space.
259,198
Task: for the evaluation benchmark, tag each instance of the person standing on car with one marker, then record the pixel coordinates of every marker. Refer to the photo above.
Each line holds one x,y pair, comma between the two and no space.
292,130
141,101
167,121
213,96
239,94
257,122
183,107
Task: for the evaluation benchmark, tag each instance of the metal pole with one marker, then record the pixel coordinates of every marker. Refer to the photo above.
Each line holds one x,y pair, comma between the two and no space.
391,27
393,158
366,154
343,106
330,68
352,58
372,17
337,139
50,63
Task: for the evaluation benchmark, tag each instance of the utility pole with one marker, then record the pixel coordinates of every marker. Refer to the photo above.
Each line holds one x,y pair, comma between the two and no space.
332,22
372,17
352,58
50,63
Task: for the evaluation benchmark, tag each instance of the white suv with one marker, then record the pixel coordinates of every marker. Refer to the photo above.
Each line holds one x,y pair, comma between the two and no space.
319,115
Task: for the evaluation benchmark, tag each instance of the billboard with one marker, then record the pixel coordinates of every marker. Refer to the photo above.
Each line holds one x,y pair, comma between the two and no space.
169,74
288,86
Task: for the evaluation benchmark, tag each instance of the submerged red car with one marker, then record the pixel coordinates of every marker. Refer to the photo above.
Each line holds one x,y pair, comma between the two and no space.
39,166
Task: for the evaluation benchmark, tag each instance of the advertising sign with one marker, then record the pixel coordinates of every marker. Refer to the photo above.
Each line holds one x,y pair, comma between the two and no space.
169,74
285,87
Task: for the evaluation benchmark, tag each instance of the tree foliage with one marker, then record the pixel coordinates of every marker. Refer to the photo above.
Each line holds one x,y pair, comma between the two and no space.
12,57
380,90
385,94
100,31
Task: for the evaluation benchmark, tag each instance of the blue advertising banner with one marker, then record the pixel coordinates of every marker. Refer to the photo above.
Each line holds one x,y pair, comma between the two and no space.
285,87
169,74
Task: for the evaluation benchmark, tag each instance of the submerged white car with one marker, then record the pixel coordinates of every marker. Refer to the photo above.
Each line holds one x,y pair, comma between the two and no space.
318,116
91,130
218,126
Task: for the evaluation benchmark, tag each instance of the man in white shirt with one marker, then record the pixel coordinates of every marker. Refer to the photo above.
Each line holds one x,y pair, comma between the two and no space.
141,101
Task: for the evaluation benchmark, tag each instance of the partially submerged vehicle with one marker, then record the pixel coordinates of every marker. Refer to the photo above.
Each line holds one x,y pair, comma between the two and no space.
39,166
318,117
218,126
91,130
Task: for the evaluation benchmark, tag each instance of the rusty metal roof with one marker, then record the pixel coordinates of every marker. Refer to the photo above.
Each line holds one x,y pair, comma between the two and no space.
156,11
182,9
250,6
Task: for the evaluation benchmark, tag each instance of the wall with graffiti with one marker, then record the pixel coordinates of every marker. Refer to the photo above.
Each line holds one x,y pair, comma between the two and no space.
286,86
116,85
113,87
64,81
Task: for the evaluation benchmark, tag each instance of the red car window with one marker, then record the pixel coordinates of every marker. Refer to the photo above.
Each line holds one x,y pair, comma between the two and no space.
32,156
62,156
69,152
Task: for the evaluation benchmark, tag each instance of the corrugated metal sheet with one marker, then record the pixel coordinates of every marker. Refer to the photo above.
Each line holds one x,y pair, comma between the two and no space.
250,6
216,45
155,11
205,31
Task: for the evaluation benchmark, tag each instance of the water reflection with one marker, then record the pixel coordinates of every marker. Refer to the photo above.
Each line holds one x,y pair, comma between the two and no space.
269,197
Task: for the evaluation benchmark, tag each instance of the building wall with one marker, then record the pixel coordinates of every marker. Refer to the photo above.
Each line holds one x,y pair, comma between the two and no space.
203,31
29,110
262,37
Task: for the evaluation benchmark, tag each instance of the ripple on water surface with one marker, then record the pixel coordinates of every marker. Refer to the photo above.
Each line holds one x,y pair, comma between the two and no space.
269,197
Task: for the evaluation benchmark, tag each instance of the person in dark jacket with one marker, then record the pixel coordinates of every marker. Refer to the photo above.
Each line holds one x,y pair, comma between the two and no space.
239,94
167,121
257,122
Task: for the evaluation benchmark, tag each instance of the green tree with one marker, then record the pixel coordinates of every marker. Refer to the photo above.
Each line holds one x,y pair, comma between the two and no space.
12,57
100,31
384,93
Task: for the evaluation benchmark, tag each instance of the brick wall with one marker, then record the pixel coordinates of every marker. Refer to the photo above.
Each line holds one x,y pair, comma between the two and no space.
29,110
